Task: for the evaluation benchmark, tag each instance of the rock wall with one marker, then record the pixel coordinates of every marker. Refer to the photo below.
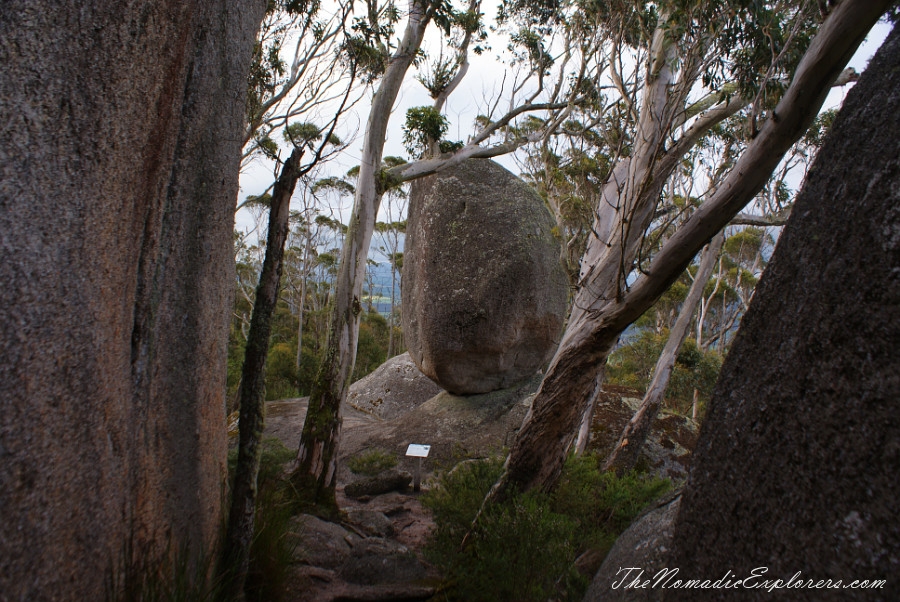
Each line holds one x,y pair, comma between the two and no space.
484,292
119,151
796,467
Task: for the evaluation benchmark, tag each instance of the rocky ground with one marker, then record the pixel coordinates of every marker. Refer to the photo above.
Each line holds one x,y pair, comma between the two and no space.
376,551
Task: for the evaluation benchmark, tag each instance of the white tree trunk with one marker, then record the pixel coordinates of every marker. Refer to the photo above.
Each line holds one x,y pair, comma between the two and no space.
602,309
624,456
317,456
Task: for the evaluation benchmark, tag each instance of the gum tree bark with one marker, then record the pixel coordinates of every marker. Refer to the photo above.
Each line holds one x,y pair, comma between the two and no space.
624,456
120,131
603,308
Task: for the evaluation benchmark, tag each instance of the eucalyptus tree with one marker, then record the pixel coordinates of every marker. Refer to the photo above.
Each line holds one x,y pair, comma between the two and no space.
387,63
685,46
295,75
306,139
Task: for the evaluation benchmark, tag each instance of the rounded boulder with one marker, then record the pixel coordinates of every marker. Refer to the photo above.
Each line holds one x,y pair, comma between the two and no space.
484,292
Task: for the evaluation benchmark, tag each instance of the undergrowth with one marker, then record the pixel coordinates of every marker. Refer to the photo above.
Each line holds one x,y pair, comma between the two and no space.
525,548
272,550
371,462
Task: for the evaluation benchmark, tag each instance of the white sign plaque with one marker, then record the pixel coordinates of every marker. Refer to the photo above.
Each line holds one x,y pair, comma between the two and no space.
416,450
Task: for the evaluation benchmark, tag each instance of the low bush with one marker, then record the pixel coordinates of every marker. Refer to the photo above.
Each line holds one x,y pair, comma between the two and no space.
525,548
371,462
272,551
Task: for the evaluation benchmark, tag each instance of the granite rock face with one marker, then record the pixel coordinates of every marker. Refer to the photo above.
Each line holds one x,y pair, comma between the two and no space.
796,466
484,293
119,156
644,547
393,389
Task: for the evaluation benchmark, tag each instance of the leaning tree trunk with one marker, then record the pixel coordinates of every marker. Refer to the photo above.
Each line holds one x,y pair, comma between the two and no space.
624,456
236,553
801,438
120,127
316,469
602,310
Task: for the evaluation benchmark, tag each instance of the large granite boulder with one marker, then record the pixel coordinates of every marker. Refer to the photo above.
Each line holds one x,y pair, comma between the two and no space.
796,467
484,292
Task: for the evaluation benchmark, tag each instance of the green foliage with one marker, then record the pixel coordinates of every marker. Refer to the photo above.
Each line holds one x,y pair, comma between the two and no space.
632,366
371,462
602,504
525,548
424,126
272,550
178,577
371,350
281,372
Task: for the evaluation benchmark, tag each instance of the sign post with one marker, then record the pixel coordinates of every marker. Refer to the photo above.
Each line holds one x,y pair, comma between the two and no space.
417,451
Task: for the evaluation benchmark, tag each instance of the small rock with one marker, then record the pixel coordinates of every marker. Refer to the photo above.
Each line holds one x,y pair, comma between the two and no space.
370,522
377,561
389,480
321,543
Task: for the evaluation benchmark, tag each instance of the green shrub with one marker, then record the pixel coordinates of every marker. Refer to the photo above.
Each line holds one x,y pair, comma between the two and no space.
281,372
371,462
271,551
525,548
632,366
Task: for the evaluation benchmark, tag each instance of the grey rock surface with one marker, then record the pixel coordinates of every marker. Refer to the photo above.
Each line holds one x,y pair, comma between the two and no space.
387,481
377,561
667,451
394,388
796,467
644,546
455,426
370,522
321,543
119,157
484,292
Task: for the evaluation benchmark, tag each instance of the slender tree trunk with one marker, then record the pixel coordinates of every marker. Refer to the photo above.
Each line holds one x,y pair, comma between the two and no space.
624,456
602,310
304,275
390,352
584,431
236,554
317,456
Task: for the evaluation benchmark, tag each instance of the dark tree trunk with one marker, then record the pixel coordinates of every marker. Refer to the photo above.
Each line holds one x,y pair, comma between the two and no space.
625,455
252,403
120,128
796,467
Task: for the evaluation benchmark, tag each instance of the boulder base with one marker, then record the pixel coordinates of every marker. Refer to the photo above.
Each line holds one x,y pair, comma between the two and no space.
484,294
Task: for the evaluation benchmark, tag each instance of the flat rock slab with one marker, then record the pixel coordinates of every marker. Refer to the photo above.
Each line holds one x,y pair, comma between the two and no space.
380,561
456,427
284,420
